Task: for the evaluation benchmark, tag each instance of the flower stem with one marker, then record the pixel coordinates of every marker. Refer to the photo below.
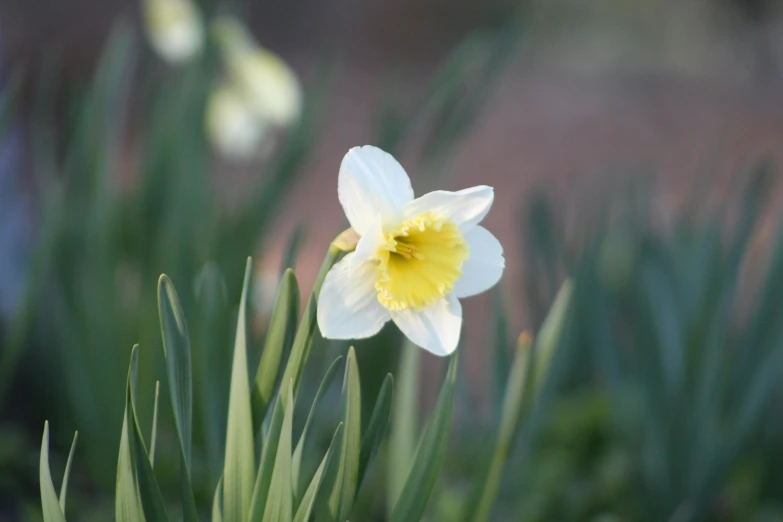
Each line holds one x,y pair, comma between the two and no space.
303,340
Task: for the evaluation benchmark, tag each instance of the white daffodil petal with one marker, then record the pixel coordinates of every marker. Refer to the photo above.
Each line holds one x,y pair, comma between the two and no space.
367,247
348,306
465,207
372,182
436,328
485,265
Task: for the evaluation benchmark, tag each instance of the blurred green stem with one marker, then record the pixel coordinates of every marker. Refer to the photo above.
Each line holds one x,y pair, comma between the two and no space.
402,442
300,350
513,406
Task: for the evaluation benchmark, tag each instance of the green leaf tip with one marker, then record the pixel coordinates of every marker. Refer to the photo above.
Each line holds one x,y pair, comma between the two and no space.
50,504
429,457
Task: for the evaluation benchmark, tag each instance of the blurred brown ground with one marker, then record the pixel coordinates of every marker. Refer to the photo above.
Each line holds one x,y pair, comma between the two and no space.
688,93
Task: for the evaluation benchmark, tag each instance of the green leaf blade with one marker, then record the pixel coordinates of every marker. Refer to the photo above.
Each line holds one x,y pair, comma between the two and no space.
279,504
263,482
376,428
217,502
49,502
404,428
138,496
307,503
238,470
343,478
300,351
329,376
514,402
429,457
67,473
279,338
551,333
176,349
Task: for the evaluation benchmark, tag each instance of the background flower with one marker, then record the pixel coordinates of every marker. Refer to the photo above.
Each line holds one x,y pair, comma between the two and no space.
174,28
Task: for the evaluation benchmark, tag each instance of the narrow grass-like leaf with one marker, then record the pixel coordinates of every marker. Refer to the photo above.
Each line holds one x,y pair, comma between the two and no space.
343,476
307,503
67,473
127,503
329,376
176,348
429,457
211,363
376,428
138,495
513,404
264,477
303,340
500,345
279,503
154,434
292,247
279,338
404,426
217,502
149,491
52,512
551,332
238,470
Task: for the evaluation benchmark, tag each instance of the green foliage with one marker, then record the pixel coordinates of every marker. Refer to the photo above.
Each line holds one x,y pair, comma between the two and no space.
404,429
279,339
138,495
342,477
176,347
238,470
426,464
376,428
329,376
265,491
666,326
123,179
307,503
53,509
480,507
99,247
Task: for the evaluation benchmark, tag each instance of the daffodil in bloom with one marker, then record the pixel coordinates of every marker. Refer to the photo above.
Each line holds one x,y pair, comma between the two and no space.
416,257
175,29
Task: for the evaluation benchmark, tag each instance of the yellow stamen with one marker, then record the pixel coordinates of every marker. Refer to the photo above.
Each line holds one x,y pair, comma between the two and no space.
420,262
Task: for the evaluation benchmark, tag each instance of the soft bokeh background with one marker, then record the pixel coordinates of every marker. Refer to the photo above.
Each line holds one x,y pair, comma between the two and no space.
597,102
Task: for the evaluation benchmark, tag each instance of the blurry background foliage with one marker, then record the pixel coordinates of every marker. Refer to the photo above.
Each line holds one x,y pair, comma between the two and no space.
102,241
662,401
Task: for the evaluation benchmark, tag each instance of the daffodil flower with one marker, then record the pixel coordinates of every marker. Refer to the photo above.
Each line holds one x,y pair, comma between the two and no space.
269,85
231,126
175,29
415,257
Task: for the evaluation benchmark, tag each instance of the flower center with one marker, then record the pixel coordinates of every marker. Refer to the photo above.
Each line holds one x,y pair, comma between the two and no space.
420,262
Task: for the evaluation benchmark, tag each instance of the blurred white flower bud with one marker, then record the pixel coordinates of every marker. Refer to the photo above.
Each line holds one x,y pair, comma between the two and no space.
267,82
174,28
231,126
